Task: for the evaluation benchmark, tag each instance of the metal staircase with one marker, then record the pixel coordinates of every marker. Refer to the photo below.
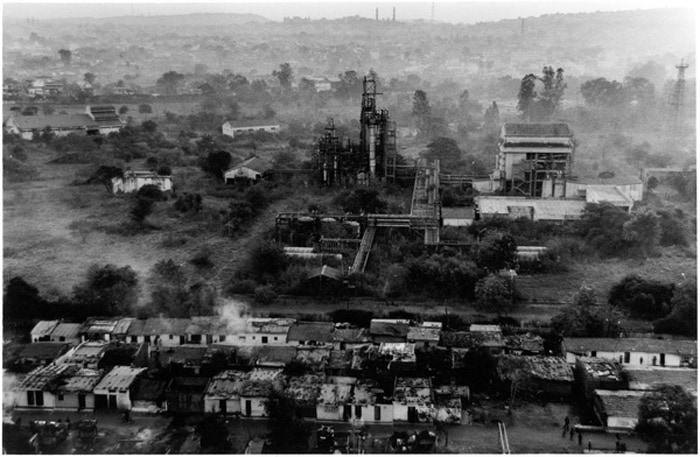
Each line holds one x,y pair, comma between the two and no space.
363,252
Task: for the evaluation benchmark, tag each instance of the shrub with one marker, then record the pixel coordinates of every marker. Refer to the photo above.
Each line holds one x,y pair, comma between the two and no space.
243,286
264,295
202,259
642,297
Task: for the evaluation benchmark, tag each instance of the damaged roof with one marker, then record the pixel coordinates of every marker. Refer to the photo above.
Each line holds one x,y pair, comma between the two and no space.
165,326
188,355
46,378
226,384
260,382
540,367
389,327
412,390
305,389
596,367
423,334
66,330
351,335
43,328
335,394
83,381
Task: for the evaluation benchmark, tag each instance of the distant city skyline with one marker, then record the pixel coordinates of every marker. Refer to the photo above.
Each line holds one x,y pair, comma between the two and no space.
468,12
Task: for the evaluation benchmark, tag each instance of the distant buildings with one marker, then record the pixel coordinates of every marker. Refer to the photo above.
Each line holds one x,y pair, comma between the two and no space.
96,120
234,128
132,181
248,171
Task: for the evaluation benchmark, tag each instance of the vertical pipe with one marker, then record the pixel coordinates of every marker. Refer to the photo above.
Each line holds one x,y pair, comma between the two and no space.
372,150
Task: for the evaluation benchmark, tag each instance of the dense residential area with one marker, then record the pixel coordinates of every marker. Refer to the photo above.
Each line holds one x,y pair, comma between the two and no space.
228,234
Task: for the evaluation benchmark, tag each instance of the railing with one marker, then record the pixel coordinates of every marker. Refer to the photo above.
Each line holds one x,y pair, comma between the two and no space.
365,248
503,438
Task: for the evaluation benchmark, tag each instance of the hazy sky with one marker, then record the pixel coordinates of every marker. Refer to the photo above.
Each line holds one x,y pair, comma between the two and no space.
448,11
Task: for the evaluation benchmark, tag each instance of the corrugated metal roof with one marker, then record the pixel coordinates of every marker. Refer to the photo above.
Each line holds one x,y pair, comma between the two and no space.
119,379
44,328
254,163
66,330
612,195
42,350
45,378
84,381
423,334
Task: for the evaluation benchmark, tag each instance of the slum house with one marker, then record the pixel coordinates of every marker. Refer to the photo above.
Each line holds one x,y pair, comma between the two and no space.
102,329
249,171
164,331
369,403
181,360
591,373
489,341
256,389
135,332
115,389
539,375
652,378
42,331
205,330
448,403
524,344
30,356
222,395
413,400
332,404
457,216
324,280
38,389
339,362
266,356
148,395
185,394
133,180
123,354
401,357
260,331
314,357
618,410
76,391
349,338
311,333
426,334
389,330
85,355
66,332
305,390
638,352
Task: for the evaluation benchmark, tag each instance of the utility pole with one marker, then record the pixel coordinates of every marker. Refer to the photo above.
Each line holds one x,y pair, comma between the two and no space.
676,105
376,14
393,17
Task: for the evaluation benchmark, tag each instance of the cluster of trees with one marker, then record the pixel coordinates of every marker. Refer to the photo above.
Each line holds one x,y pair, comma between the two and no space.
668,421
588,318
539,106
602,93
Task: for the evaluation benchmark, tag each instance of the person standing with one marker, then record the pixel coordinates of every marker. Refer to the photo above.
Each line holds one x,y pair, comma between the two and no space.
580,438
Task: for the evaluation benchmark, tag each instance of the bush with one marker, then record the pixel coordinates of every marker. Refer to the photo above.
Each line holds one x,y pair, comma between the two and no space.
642,297
495,294
264,295
202,259
188,202
243,286
151,192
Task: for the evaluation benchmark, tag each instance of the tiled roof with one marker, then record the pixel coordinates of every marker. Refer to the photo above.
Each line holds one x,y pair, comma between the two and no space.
136,328
260,382
165,326
527,342
44,328
351,335
321,332
389,327
206,325
254,163
536,129
56,121
191,384
188,355
423,334
305,389
650,378
647,345
122,326
226,384
119,379
42,350
146,389
620,403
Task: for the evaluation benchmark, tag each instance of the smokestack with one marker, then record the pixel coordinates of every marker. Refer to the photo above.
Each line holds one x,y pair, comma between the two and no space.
393,18
376,14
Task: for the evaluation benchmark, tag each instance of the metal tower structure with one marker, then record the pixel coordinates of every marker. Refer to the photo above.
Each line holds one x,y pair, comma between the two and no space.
676,107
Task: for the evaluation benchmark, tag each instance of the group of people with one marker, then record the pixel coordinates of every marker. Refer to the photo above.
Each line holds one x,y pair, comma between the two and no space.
620,446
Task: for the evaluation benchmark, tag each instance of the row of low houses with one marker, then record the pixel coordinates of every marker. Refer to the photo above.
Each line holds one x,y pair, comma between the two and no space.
97,119
215,366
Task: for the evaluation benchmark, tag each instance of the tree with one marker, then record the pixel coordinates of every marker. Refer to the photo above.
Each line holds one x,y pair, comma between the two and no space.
89,78
213,435
350,85
643,231
266,259
668,420
217,163
603,93
284,75
526,96
170,82
684,311
22,300
421,112
149,126
642,297
360,201
109,290
492,118
123,110
145,108
288,431
447,151
105,174
601,225
587,319
141,209
495,294
65,55
496,251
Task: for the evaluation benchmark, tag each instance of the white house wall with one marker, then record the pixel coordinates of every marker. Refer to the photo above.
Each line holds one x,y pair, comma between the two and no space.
636,359
70,402
257,406
622,422
212,405
386,413
329,412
